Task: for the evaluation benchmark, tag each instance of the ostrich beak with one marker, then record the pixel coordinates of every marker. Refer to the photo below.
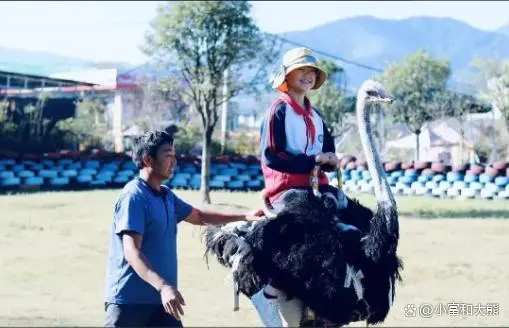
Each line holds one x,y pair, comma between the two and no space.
385,100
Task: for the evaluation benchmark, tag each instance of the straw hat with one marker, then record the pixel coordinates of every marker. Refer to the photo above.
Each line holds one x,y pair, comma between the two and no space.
293,59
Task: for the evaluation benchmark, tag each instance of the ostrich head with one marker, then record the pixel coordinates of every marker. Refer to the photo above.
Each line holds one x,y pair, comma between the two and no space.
373,92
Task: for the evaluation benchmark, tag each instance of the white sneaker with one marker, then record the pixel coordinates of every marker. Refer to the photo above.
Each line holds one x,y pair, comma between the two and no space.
268,309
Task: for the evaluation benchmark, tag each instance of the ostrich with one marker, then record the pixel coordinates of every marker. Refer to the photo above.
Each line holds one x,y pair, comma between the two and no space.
340,277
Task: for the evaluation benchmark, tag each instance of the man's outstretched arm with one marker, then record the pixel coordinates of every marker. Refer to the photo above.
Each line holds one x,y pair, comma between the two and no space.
206,217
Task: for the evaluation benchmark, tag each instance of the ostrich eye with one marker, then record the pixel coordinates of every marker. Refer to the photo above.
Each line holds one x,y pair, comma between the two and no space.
372,93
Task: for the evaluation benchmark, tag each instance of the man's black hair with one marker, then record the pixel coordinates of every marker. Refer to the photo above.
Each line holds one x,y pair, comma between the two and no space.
148,144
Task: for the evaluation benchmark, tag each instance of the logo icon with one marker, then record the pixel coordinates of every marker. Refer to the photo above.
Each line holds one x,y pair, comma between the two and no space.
410,310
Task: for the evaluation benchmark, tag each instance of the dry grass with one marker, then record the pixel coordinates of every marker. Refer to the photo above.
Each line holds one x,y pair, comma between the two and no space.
54,246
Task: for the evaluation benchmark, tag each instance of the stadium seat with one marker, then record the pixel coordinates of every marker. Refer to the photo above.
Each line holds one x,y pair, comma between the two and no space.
243,177
459,185
236,185
254,185
59,182
253,171
221,177
356,175
476,186
503,194
488,193
438,192
33,181
91,164
365,186
25,174
84,179
70,173
110,167
219,166
469,193
366,174
471,178
129,166
454,176
407,179
87,172
194,184
74,166
397,174
189,169
98,183
453,192
106,176
501,181
484,178
127,173
7,162
37,167
64,161
217,184
6,174
229,171
238,166
121,179
9,182
48,174
185,176
424,178
438,178
18,168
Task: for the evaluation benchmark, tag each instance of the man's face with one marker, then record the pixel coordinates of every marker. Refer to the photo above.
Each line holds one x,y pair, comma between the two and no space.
165,162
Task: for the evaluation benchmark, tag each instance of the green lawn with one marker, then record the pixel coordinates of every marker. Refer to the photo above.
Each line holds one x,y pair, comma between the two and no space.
430,207
54,245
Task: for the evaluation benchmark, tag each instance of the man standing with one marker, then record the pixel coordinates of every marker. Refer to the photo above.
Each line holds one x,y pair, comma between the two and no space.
141,279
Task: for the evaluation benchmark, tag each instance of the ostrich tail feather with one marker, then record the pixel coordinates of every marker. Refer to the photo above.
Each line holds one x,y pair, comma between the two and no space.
228,244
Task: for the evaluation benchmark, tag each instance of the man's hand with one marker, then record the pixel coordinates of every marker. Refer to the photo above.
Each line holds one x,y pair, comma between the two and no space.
172,301
254,215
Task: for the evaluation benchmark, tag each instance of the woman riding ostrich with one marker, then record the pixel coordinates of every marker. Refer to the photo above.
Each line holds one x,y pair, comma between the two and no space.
305,252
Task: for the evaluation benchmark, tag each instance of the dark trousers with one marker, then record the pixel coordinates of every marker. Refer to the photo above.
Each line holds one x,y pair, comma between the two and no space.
138,315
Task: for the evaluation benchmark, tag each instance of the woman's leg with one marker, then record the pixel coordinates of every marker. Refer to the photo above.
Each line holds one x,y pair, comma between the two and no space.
275,310
266,304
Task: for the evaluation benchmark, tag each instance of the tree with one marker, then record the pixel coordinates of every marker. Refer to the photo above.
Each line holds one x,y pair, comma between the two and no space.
459,105
87,127
330,99
494,88
159,102
418,84
203,39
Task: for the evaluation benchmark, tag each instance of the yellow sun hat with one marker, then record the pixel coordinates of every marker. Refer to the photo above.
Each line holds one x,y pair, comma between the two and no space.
293,59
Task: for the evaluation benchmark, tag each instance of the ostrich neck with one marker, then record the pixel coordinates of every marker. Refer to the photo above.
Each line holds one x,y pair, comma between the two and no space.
381,187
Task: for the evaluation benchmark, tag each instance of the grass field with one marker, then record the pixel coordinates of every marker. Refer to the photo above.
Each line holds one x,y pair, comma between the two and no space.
53,250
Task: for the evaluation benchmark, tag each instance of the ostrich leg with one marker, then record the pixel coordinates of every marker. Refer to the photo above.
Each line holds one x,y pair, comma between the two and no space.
236,297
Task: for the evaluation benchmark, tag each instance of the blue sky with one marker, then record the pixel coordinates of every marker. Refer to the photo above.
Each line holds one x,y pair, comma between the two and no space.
114,30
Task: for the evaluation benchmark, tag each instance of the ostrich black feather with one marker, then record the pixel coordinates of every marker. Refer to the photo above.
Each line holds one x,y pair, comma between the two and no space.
304,253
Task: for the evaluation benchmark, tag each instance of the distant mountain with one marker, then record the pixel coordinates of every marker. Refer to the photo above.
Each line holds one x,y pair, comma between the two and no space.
364,39
378,42
44,63
504,29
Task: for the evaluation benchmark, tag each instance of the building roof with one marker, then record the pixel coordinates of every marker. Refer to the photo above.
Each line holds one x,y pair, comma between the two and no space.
12,83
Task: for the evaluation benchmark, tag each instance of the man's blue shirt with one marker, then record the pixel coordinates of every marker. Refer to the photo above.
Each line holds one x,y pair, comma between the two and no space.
154,215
